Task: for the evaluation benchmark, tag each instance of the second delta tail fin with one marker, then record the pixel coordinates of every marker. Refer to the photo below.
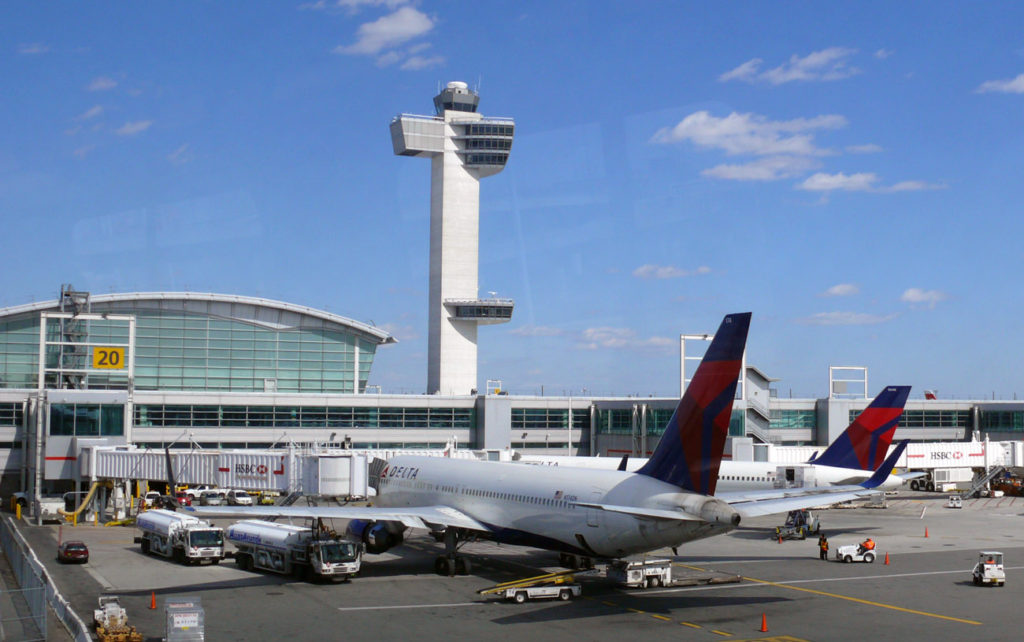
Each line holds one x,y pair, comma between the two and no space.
864,442
690,451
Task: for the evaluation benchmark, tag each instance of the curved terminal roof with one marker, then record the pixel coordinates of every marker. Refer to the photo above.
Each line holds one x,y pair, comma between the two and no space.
266,313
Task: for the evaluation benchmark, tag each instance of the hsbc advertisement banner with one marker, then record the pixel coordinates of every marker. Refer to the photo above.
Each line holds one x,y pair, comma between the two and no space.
252,471
969,454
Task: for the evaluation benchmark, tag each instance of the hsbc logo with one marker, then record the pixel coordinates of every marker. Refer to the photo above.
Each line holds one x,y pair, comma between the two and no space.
948,456
250,470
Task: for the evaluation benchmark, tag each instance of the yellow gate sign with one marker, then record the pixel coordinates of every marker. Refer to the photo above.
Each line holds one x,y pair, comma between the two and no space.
108,358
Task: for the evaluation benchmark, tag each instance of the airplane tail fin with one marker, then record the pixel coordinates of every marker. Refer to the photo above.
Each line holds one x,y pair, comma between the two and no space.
690,451
864,442
885,469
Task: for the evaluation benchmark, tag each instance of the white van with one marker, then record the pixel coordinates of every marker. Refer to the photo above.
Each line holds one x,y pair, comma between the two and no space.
239,498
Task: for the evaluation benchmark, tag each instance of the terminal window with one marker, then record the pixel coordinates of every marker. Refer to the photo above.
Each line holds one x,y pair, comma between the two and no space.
86,420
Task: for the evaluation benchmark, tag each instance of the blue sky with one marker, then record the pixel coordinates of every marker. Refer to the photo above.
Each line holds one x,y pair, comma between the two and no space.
849,172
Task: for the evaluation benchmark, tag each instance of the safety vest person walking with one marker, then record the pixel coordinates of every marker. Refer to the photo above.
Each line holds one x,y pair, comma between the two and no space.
823,547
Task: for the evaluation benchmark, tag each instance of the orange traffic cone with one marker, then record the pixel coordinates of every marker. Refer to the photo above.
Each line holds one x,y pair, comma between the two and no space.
926,531
887,557
152,600
764,623
780,539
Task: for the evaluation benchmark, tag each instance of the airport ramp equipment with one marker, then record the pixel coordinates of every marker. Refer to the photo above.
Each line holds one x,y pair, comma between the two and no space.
559,577
981,482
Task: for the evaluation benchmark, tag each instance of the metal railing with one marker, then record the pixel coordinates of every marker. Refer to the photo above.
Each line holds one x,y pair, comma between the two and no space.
35,582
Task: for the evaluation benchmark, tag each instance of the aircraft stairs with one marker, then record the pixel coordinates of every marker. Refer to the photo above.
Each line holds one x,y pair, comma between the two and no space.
983,481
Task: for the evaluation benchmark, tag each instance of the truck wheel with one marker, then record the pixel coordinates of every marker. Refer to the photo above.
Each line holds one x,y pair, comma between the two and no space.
565,595
646,583
520,597
914,485
215,561
655,582
977,581
930,486
869,558
145,546
847,559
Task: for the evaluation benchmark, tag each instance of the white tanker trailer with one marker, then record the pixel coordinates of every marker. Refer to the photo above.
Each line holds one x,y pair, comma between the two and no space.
186,538
293,550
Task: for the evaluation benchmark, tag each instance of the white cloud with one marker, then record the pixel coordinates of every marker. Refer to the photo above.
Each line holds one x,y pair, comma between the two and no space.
924,297
750,133
537,331
842,289
827,182
82,152
771,168
420,62
137,127
845,318
869,148
912,186
180,156
102,84
389,31
667,272
92,112
596,338
882,54
33,48
827,64
388,58
747,71
1012,86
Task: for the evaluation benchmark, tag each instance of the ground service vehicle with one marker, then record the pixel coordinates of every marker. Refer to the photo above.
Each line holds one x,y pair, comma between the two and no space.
293,550
955,501
73,551
641,573
564,592
989,569
853,553
239,498
185,538
798,524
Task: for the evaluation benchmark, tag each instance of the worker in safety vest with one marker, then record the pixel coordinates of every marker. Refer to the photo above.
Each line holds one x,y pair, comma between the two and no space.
867,545
823,547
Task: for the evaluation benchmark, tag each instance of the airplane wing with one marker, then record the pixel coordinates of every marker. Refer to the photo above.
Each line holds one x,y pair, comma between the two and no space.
413,517
914,475
782,500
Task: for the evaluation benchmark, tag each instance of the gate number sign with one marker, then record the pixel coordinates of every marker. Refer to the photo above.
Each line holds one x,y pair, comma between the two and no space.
108,358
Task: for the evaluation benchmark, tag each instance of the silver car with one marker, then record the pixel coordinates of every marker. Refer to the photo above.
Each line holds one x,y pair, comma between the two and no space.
211,498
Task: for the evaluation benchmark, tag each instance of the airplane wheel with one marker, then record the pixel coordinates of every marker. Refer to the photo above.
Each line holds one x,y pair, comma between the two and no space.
442,566
520,597
463,566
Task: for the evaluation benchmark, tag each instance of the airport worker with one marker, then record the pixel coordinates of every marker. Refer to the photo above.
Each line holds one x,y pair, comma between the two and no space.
823,547
867,545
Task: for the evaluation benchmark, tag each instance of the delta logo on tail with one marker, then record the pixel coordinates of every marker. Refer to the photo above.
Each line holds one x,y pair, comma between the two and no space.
690,452
864,442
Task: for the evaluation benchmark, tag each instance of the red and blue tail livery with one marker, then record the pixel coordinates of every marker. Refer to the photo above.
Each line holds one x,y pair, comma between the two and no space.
690,452
864,442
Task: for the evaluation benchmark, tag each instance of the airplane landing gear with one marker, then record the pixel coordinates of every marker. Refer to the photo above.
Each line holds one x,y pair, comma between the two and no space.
451,563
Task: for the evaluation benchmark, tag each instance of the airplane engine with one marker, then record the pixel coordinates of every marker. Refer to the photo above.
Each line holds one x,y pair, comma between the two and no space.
377,536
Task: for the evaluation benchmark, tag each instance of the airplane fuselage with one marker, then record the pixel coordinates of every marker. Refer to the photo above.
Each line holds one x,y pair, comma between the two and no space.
733,475
539,505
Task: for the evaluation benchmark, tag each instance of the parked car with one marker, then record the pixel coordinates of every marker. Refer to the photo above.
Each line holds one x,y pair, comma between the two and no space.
73,551
239,498
183,498
152,498
196,492
211,498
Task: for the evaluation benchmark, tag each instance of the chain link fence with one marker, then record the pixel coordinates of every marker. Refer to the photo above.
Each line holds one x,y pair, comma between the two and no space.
37,589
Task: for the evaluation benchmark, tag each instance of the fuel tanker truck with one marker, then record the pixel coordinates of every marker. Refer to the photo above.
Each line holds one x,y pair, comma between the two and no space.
185,538
307,552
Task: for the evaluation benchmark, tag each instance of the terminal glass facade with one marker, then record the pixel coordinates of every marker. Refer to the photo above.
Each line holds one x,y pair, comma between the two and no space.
154,415
181,351
550,418
929,418
86,419
793,419
1002,420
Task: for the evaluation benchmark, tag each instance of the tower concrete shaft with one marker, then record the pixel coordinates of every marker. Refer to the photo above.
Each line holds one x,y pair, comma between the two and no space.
464,147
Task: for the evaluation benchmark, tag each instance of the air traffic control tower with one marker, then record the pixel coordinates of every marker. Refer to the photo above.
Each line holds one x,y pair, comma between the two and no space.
463,146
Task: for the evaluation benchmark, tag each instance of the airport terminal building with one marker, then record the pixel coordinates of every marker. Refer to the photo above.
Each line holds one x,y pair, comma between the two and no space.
218,371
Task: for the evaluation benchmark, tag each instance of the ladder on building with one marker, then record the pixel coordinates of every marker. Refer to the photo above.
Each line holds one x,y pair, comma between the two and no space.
983,481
